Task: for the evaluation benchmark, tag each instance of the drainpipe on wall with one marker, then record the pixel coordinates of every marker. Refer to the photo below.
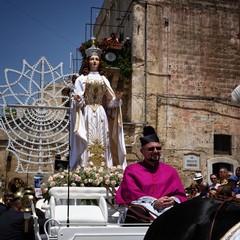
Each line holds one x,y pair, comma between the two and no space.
238,19
145,65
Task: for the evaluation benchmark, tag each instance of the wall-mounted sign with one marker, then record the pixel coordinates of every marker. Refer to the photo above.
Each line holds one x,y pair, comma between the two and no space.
191,162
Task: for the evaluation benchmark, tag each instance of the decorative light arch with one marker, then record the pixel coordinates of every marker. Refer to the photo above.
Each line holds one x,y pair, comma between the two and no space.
35,115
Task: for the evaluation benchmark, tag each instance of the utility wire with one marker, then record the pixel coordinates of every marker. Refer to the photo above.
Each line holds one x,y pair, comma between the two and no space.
41,23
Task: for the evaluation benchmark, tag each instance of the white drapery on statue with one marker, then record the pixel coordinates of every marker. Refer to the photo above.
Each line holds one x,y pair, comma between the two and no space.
96,123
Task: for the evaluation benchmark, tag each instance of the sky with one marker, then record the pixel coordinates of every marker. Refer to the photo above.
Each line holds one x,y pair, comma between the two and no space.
31,29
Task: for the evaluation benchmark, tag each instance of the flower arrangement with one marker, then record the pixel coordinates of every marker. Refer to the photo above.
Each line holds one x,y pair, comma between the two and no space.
87,176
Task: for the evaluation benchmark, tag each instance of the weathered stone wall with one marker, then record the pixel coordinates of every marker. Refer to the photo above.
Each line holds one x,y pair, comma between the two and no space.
199,54
203,59
185,66
115,16
189,126
195,55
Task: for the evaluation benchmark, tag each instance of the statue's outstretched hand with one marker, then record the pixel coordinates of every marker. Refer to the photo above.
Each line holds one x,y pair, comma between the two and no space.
76,97
119,95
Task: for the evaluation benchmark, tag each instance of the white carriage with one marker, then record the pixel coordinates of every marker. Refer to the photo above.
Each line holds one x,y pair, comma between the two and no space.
83,213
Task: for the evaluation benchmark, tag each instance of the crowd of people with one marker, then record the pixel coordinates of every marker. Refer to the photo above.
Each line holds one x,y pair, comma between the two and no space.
17,222
224,182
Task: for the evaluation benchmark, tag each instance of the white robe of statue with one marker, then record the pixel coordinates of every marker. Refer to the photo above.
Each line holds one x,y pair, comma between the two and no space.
90,121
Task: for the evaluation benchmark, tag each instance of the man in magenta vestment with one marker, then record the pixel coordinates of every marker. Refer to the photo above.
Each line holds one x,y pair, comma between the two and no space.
151,178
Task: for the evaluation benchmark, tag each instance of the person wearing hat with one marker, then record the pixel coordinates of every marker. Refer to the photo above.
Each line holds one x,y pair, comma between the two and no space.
203,186
237,173
150,182
232,182
96,120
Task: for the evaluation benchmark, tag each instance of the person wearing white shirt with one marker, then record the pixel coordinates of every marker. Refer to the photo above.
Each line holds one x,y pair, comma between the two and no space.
214,181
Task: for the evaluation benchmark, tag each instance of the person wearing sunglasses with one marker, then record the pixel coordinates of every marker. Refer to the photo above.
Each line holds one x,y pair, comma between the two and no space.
202,185
150,183
214,180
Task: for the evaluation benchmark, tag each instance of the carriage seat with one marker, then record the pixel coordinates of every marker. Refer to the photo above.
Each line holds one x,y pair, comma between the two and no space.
80,212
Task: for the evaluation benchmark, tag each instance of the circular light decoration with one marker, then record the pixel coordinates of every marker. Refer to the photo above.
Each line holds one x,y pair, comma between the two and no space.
111,57
35,115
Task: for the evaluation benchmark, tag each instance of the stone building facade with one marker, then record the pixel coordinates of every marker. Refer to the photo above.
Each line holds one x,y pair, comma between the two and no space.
185,58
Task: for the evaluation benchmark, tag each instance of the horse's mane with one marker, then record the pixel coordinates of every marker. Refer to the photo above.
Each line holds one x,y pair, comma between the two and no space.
224,198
